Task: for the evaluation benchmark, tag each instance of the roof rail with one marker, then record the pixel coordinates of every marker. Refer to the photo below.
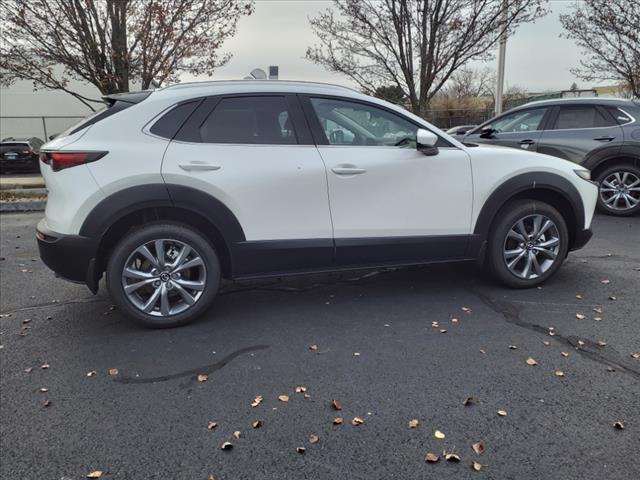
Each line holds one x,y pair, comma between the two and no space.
222,82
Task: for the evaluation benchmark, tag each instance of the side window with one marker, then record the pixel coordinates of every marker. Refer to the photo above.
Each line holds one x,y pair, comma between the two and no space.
520,121
620,117
580,116
351,123
249,120
169,124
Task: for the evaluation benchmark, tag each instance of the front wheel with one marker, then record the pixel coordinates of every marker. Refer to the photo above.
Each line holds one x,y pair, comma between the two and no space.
619,190
163,275
528,243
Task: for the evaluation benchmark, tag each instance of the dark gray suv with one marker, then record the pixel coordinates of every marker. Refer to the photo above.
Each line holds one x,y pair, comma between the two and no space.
601,134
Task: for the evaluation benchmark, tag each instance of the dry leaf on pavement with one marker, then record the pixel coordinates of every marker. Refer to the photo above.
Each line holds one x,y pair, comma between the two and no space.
466,310
438,434
283,398
226,446
95,474
579,316
478,447
45,366
602,343
113,372
618,425
467,401
313,439
564,354
476,466
236,434
203,377
413,423
531,361
357,421
559,373
257,401
338,421
301,389
451,457
431,457
502,413
257,424
212,425
336,405
313,347
92,373
605,281
301,449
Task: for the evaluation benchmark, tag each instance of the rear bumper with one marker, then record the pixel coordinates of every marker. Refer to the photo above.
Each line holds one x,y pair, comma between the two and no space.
71,257
582,237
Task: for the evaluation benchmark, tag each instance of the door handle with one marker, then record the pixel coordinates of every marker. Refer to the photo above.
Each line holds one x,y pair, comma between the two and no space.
198,166
528,141
604,139
347,170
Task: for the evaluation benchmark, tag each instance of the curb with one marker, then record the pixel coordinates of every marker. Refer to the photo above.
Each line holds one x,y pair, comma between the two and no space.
6,207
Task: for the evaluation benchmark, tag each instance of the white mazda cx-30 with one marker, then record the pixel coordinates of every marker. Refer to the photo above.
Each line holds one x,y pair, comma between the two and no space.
165,192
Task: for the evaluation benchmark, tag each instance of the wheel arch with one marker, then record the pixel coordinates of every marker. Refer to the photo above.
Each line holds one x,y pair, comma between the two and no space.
117,214
604,164
542,186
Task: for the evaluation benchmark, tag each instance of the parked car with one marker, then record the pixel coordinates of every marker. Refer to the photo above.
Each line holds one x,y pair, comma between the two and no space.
20,154
460,130
165,192
601,134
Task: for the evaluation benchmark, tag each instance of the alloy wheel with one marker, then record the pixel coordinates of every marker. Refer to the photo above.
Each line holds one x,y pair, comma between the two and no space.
620,191
164,277
531,246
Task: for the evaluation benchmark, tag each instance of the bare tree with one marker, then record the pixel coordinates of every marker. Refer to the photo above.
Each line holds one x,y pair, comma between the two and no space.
414,44
609,33
111,43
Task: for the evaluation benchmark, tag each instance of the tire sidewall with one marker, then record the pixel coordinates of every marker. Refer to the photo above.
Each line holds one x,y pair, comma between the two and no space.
507,217
601,205
140,236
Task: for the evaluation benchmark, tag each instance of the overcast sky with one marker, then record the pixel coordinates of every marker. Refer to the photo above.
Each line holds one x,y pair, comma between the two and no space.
278,33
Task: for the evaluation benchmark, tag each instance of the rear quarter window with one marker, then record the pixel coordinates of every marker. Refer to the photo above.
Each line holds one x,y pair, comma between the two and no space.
169,124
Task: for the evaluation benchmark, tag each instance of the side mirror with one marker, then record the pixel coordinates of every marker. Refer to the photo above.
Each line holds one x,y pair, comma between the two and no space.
487,132
426,142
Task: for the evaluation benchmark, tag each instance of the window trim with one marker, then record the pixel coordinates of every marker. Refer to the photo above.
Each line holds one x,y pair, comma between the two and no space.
318,132
208,105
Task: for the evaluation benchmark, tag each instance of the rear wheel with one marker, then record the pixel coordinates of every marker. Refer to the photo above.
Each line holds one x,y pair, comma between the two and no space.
528,243
163,275
619,190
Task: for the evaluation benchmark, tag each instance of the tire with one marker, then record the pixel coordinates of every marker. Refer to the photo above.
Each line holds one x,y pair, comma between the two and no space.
623,179
189,269
504,247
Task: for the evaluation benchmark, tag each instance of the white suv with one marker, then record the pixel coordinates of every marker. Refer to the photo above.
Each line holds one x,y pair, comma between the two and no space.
168,191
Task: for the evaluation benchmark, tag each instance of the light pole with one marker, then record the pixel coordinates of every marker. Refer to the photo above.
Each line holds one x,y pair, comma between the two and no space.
501,60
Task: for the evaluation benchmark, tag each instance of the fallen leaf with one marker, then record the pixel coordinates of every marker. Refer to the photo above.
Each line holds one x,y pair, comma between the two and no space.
618,425
635,355
95,474
612,298
257,424
564,354
113,372
512,347
467,401
356,354
313,439
611,369
579,297
435,324
45,366
226,446
478,447
236,434
47,403
43,390
443,330
357,421
579,316
502,413
605,281
476,466
338,421
313,347
597,319
597,309
413,423
203,377
546,344
26,320
454,320
466,310
482,350
602,343
301,449
431,457
336,405
306,395
451,457
91,373
559,373
28,369
283,398
552,333
531,361
438,434
211,425
301,389
257,401
581,343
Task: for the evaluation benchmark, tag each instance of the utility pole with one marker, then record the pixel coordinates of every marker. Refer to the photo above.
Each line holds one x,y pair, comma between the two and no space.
501,60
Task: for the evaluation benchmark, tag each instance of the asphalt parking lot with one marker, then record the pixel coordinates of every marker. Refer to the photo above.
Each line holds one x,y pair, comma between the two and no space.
379,353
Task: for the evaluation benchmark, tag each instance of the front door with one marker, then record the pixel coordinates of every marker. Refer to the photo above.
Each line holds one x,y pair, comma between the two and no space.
389,202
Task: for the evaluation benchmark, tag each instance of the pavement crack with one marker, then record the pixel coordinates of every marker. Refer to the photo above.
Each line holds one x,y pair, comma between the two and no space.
588,349
193,372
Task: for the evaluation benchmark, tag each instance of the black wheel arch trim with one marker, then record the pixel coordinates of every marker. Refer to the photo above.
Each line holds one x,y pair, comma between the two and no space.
519,184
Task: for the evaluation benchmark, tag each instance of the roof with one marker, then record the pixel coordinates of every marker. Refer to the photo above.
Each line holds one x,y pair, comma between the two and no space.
581,100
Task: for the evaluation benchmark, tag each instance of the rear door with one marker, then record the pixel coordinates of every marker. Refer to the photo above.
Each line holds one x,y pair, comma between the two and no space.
519,129
578,131
254,154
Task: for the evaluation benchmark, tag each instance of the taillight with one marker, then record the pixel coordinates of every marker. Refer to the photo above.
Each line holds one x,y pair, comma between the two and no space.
28,151
61,160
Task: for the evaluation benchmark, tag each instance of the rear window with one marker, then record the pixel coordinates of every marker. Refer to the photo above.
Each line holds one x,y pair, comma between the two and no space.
581,116
620,116
13,146
170,122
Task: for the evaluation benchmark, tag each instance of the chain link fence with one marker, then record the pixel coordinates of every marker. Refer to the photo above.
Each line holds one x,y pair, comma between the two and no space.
35,126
